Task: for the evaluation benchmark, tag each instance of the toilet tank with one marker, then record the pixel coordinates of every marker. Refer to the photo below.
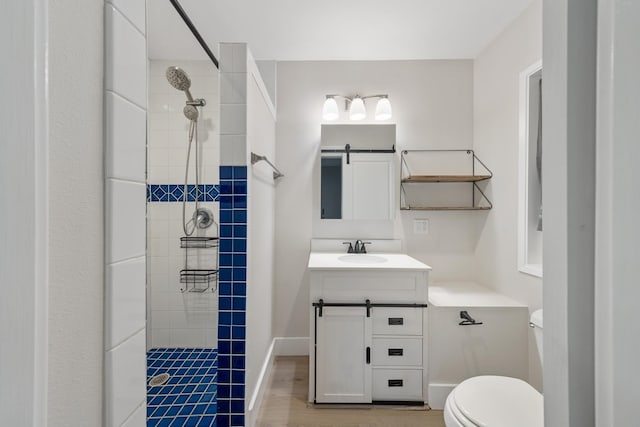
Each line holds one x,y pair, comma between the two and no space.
536,323
499,346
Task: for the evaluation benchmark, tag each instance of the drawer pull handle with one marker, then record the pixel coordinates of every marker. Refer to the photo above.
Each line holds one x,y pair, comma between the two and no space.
368,356
395,321
396,352
395,383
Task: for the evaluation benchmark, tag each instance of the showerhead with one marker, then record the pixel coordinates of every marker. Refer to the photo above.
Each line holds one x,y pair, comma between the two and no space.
178,78
190,112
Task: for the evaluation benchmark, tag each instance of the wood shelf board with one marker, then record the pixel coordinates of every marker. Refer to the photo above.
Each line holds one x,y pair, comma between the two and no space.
445,208
446,178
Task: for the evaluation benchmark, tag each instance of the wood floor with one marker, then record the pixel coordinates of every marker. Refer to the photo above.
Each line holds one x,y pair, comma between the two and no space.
285,405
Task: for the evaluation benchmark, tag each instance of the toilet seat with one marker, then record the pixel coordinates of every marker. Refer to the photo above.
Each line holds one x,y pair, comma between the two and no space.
494,401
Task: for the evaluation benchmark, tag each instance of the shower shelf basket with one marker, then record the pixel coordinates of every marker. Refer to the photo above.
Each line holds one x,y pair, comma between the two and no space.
199,280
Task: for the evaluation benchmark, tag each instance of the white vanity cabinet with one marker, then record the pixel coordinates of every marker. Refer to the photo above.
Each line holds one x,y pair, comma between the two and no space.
343,338
368,327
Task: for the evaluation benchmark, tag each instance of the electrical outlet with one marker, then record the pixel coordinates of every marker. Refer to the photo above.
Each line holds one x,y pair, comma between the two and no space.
420,226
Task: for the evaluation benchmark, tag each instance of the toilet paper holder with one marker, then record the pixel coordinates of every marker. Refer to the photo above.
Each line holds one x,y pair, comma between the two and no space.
467,319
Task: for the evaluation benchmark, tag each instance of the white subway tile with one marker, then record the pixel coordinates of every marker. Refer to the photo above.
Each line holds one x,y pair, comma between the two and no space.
158,247
161,319
157,211
125,58
239,57
125,379
240,151
139,417
157,228
159,301
134,10
211,338
186,338
178,122
125,300
178,157
158,266
125,220
158,284
233,88
158,157
226,57
160,338
159,121
233,119
158,102
126,134
158,139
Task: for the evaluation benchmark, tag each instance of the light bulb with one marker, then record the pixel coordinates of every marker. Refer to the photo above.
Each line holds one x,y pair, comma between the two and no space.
383,109
357,110
330,109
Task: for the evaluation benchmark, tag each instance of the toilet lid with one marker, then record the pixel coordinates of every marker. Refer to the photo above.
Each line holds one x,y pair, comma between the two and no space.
492,401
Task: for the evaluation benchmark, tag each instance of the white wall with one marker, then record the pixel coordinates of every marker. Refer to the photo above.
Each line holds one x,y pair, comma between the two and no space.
618,201
24,151
179,319
76,262
125,91
495,118
433,108
568,193
261,132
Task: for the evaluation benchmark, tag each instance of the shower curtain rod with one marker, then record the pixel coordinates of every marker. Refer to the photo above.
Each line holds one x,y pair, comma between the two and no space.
194,31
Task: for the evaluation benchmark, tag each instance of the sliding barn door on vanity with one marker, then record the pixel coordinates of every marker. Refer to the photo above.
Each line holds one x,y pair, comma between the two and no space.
343,359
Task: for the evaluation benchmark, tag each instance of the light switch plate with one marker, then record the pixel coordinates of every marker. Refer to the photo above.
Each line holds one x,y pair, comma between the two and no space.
420,226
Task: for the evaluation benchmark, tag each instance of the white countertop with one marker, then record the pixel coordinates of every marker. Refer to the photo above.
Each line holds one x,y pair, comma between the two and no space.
468,294
371,262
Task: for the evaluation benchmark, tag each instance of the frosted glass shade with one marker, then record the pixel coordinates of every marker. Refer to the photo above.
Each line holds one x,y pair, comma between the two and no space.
383,109
357,110
330,109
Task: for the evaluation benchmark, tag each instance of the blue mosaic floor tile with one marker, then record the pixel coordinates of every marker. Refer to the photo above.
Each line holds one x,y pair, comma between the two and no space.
188,398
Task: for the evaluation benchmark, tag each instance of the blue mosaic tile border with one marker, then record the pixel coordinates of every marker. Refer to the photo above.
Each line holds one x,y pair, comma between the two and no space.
188,398
232,303
175,192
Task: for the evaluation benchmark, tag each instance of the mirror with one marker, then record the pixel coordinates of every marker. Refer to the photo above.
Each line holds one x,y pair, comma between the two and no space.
356,172
529,169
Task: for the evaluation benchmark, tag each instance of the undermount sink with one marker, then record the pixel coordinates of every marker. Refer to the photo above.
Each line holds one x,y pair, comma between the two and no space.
362,259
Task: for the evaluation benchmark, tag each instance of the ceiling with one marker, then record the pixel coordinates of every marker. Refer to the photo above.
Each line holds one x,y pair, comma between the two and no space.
332,29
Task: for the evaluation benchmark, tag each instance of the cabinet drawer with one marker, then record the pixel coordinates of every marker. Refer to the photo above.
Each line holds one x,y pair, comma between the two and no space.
397,321
397,384
397,352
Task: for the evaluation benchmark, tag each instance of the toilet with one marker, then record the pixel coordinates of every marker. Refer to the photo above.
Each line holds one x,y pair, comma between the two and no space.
496,401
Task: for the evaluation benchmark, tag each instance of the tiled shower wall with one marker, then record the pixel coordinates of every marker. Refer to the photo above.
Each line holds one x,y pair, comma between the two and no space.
177,319
125,142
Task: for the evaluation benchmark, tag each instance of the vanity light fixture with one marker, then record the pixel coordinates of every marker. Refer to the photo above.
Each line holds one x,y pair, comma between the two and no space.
355,106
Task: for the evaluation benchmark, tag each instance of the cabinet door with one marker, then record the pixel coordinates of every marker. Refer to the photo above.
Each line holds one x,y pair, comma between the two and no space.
343,366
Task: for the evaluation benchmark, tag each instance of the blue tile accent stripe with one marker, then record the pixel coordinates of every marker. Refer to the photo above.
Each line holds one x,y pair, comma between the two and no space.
188,398
175,192
232,303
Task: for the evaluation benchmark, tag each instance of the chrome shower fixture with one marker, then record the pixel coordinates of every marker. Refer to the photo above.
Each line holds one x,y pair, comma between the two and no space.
190,112
179,79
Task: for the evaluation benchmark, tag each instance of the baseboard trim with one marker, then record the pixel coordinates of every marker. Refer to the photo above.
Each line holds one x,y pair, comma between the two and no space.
438,393
258,392
280,346
291,346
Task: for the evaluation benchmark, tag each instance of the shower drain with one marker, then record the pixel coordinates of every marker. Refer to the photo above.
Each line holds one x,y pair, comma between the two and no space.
159,380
